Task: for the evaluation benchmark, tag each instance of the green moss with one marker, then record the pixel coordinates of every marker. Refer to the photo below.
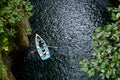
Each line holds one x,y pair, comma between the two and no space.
106,50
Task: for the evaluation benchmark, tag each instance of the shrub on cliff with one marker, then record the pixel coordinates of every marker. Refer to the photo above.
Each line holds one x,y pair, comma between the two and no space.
11,12
106,49
2,69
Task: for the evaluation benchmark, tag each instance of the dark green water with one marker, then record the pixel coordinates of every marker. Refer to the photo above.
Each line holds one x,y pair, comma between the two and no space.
67,24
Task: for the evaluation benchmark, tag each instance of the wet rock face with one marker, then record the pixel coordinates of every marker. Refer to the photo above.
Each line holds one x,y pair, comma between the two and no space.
21,39
69,25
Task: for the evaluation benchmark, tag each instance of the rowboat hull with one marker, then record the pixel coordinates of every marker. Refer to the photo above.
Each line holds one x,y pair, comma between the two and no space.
40,49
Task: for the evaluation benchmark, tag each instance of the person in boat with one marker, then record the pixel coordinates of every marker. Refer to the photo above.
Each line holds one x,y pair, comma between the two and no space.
41,44
44,52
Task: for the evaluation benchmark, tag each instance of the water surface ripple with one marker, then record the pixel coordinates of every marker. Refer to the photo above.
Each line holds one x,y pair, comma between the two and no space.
67,24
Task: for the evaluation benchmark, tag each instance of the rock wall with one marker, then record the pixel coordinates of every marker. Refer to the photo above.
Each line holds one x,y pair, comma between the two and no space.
19,43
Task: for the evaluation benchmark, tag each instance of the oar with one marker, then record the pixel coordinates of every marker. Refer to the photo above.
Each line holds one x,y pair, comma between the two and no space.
34,51
53,46
48,46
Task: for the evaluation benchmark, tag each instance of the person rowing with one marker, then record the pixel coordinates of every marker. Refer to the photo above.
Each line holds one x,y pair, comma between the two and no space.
41,45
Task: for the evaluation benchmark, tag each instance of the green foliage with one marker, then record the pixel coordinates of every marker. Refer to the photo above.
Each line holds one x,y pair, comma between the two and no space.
29,31
11,12
106,50
2,68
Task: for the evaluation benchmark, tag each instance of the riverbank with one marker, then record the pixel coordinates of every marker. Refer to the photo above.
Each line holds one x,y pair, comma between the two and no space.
14,27
19,43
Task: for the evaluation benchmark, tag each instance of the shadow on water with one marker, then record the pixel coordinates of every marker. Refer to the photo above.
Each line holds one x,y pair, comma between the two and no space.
67,24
